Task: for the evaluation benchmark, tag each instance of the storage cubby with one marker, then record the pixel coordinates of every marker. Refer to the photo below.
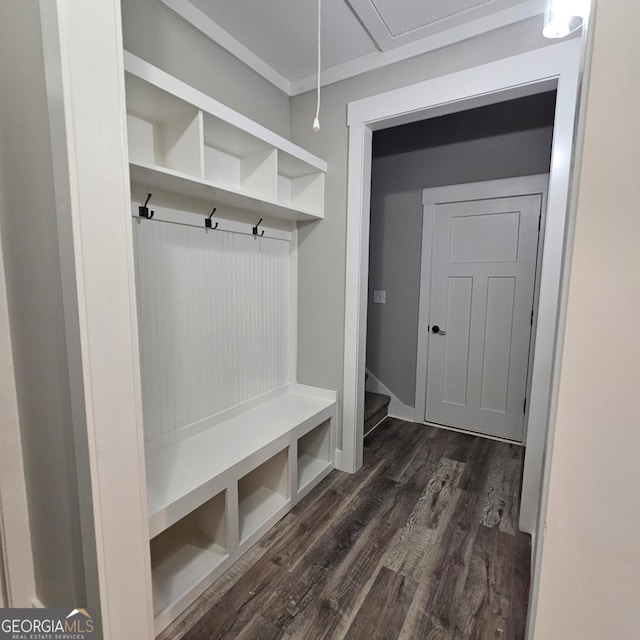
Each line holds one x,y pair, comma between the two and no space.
163,130
314,454
300,185
241,456
188,552
184,142
262,492
236,160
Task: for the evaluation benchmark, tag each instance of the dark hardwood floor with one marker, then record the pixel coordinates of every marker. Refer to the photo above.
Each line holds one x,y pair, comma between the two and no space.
422,543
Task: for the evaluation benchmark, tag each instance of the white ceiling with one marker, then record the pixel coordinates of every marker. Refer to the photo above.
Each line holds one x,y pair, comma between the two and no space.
277,38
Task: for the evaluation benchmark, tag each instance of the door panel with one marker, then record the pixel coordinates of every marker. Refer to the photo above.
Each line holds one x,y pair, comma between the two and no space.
482,284
486,237
497,343
456,350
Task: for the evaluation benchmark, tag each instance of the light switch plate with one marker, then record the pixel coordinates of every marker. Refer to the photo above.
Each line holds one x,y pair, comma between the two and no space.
379,297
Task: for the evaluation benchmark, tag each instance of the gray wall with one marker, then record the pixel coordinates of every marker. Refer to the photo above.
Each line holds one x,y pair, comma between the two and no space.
29,232
154,33
500,141
322,254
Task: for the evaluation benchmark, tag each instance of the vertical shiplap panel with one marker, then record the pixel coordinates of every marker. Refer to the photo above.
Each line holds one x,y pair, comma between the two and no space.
214,321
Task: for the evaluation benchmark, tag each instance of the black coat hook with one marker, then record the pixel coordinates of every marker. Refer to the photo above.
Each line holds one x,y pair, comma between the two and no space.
207,220
143,210
255,229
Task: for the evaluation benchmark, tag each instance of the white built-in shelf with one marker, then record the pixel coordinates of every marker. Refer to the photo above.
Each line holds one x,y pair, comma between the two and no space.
153,178
187,553
314,455
181,571
214,488
262,492
309,469
185,142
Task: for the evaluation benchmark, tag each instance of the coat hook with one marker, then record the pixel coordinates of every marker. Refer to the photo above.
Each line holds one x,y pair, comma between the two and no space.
207,220
143,210
255,229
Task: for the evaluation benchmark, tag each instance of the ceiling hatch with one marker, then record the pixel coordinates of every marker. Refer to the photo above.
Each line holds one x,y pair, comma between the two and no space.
392,23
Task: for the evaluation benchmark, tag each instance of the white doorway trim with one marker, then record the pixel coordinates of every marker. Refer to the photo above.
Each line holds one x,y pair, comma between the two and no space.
17,582
489,189
552,67
85,88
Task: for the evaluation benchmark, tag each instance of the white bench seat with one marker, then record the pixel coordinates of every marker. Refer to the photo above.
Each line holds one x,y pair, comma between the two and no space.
183,473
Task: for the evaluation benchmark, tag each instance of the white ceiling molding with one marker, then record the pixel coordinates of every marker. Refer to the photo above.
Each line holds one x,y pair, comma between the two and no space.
369,62
374,61
191,14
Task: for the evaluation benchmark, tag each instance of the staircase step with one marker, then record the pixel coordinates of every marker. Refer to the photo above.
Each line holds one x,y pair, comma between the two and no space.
376,407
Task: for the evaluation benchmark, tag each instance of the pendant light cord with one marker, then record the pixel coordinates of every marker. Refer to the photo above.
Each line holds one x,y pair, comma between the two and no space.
316,120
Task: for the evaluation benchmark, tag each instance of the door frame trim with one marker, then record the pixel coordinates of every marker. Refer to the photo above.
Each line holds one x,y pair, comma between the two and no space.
485,190
556,66
17,576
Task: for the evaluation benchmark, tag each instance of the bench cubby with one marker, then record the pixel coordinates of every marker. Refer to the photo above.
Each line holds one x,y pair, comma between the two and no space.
314,456
188,552
213,490
262,493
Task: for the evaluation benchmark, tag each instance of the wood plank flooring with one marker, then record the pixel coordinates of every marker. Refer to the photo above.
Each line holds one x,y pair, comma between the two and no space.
421,543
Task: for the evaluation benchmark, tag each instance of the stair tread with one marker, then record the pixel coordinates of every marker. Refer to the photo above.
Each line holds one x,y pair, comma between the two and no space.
373,403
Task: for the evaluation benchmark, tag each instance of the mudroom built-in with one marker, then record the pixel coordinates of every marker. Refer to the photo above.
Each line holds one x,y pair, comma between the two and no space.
231,440
218,220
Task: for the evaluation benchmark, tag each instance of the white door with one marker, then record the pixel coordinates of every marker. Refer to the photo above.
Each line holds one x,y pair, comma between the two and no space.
482,284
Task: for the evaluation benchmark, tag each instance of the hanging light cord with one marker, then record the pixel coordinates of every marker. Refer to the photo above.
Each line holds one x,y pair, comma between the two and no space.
316,120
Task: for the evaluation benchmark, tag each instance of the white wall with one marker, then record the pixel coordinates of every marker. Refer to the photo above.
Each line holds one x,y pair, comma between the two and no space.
214,317
505,140
154,33
322,248
590,580
34,291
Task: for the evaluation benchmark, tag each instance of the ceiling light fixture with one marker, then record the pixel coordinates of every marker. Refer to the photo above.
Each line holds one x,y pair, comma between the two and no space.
563,17
316,120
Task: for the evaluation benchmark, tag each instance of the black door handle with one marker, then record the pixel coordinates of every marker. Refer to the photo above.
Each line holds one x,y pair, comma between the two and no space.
436,329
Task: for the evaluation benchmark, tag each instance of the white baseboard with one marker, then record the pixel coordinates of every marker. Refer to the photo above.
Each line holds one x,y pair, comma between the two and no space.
397,408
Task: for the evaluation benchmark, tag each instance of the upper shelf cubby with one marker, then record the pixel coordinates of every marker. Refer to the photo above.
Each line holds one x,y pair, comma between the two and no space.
184,141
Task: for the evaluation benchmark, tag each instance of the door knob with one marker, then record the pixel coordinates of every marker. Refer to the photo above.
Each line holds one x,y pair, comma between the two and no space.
436,329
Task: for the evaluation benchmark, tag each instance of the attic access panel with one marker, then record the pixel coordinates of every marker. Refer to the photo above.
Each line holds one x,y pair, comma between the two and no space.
392,23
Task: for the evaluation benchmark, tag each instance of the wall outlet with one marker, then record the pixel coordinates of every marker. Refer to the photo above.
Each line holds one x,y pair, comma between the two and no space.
379,297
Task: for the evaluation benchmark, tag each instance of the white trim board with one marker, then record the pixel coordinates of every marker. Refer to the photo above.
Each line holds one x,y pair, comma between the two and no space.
377,60
203,23
388,37
397,408
87,117
508,187
16,560
171,215
292,87
557,66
